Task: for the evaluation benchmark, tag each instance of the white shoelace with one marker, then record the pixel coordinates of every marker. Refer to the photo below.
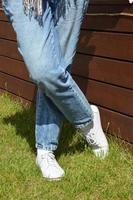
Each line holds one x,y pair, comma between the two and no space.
50,157
92,139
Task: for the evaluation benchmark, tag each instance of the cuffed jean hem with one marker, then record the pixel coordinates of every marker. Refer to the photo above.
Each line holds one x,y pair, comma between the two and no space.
84,126
45,147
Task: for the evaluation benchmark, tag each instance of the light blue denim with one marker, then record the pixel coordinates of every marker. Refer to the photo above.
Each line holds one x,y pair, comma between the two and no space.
48,50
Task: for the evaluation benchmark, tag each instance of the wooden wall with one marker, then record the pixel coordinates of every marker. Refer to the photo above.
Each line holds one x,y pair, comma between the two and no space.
103,66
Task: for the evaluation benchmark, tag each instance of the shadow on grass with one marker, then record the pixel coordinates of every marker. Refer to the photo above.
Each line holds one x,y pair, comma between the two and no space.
24,123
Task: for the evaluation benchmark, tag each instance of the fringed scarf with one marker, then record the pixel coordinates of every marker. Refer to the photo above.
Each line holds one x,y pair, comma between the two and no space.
34,7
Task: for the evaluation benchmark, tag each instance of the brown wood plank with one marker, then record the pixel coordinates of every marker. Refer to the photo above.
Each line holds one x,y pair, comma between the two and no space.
106,70
108,8
17,86
92,8
113,23
104,8
112,97
14,67
113,2
3,17
116,23
117,124
9,48
119,21
95,43
17,98
105,2
113,45
108,23
6,31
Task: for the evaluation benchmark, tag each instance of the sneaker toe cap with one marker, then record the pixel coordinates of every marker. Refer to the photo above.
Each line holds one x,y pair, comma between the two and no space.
53,173
101,152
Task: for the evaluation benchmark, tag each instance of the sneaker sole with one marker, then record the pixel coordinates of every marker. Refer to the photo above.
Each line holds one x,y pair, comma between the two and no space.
53,179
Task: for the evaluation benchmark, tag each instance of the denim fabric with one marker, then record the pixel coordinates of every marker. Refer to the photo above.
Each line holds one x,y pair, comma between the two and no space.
48,51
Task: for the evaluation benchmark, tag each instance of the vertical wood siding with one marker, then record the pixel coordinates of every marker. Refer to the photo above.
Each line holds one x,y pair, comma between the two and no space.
103,65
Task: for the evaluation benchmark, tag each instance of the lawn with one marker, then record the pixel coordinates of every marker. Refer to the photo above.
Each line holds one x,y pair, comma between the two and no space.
87,177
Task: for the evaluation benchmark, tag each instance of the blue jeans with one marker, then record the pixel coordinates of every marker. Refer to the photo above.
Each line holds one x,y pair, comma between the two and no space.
48,51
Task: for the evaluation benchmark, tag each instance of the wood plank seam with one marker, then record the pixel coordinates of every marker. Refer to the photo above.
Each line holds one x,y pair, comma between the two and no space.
111,14
19,78
106,57
107,83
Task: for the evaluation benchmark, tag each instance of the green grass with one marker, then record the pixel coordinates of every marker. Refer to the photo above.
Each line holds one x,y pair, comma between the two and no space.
87,177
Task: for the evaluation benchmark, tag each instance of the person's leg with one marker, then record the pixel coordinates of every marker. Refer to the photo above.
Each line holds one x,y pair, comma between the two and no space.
49,119
68,18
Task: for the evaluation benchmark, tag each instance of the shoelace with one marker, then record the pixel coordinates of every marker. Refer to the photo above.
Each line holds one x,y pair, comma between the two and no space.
91,139
50,157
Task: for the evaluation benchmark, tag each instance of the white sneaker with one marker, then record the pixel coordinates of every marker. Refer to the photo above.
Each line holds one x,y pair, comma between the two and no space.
48,165
95,136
